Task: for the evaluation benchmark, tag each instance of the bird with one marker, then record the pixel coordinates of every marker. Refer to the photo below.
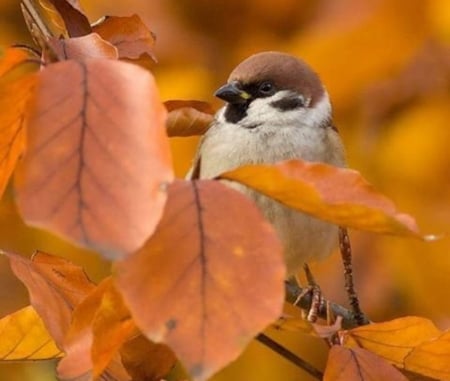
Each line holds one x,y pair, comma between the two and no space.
276,109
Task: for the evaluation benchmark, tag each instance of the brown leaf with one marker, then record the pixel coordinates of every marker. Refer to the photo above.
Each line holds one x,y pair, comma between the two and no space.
14,98
78,48
24,337
357,364
146,361
55,286
395,339
97,162
431,358
337,195
76,22
188,118
129,35
100,325
43,21
205,284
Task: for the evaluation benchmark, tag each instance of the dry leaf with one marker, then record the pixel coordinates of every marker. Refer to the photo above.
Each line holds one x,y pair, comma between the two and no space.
357,364
10,59
146,361
337,195
100,325
55,286
14,98
393,340
97,162
431,358
205,284
78,48
77,24
293,320
188,118
24,337
129,35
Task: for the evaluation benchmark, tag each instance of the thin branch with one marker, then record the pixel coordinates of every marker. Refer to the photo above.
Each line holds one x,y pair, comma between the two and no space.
346,254
295,293
290,356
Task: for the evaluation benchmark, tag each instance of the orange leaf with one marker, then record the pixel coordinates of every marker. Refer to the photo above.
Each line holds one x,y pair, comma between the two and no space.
395,339
188,118
11,58
55,286
205,284
100,325
14,98
89,46
357,364
337,195
24,337
129,35
431,358
97,162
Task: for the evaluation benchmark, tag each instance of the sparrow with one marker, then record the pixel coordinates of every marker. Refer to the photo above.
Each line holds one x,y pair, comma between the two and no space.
276,109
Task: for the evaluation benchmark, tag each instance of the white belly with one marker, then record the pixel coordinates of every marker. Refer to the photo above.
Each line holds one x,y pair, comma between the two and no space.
228,146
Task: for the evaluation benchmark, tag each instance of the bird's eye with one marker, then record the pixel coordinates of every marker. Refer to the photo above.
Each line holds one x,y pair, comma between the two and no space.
266,88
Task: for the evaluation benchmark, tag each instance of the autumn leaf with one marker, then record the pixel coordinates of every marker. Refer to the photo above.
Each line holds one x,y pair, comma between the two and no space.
97,162
10,59
393,340
24,337
129,35
14,98
205,284
100,325
101,328
55,286
89,46
76,22
145,360
293,321
358,364
188,118
431,358
337,195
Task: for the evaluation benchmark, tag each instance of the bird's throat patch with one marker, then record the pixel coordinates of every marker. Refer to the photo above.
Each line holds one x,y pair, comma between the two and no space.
236,112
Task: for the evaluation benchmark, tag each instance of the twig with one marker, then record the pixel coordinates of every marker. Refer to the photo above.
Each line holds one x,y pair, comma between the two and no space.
294,294
290,356
346,254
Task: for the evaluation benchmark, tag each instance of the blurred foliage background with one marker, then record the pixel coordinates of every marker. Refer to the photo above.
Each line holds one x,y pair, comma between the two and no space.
386,64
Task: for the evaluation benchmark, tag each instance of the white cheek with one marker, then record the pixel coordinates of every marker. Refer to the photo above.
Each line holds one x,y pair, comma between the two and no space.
261,111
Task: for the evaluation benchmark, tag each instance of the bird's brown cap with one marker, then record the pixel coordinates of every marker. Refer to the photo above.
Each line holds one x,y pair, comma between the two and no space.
284,70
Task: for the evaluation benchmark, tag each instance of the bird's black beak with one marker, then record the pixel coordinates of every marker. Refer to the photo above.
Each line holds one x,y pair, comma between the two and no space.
231,93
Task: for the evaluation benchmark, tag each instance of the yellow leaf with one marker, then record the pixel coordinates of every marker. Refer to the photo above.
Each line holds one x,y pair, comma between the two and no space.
395,339
337,195
431,358
24,337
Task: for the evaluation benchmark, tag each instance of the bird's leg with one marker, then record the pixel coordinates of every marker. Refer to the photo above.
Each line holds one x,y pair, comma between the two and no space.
315,293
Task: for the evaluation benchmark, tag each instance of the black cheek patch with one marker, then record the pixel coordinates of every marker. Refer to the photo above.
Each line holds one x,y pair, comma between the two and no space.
288,103
235,112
